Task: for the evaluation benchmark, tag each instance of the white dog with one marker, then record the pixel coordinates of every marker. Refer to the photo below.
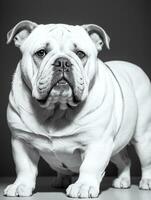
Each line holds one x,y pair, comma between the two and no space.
75,111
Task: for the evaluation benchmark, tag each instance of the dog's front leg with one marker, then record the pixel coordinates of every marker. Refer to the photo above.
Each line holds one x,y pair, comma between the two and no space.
96,159
26,160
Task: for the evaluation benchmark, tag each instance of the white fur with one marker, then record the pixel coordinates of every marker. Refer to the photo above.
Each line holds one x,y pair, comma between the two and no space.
116,111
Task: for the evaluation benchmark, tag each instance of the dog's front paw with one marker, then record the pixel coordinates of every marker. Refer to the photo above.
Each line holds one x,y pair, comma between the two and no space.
121,182
83,190
21,190
145,184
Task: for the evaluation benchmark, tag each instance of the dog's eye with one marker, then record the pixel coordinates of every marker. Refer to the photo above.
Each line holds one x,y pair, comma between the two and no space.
80,54
41,53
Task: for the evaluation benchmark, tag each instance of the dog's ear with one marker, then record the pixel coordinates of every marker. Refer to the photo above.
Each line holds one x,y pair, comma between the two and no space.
98,35
20,32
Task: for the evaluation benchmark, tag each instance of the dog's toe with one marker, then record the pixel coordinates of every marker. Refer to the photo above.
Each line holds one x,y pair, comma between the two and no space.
82,190
145,184
18,190
121,182
10,190
24,191
88,192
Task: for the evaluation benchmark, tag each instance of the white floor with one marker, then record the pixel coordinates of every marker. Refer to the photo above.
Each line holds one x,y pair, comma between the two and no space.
45,192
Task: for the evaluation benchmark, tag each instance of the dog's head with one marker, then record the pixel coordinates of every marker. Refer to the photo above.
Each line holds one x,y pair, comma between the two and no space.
59,62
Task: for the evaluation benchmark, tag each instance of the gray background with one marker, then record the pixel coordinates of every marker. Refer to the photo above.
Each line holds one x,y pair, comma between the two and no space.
128,23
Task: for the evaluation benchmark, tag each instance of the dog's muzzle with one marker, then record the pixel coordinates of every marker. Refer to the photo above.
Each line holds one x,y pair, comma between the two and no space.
58,86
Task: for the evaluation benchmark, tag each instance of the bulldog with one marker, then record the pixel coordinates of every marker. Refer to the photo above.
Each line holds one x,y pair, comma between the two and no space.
75,111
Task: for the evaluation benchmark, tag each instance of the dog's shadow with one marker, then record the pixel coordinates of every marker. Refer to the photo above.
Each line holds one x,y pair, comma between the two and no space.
44,185
106,190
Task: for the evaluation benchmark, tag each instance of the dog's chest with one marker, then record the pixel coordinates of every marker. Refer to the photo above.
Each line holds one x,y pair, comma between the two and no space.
62,154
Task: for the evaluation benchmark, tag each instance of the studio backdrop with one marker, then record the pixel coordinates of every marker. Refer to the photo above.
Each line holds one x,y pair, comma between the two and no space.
127,22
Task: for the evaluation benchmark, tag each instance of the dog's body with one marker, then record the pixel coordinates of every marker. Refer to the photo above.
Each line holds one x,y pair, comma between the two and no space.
111,109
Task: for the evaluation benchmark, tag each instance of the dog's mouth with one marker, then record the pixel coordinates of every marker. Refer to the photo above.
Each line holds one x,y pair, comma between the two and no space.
61,92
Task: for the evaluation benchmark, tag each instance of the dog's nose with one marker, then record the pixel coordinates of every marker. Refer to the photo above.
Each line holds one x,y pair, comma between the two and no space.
63,63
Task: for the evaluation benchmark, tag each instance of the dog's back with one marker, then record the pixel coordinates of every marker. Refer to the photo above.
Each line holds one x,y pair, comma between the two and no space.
140,83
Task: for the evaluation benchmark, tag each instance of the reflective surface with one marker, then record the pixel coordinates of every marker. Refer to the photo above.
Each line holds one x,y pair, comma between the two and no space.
45,192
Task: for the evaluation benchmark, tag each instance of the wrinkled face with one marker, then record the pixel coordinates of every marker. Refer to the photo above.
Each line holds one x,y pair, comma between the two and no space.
58,64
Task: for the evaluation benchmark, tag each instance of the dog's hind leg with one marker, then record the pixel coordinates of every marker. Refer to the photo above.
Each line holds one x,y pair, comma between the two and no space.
122,161
61,181
143,150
